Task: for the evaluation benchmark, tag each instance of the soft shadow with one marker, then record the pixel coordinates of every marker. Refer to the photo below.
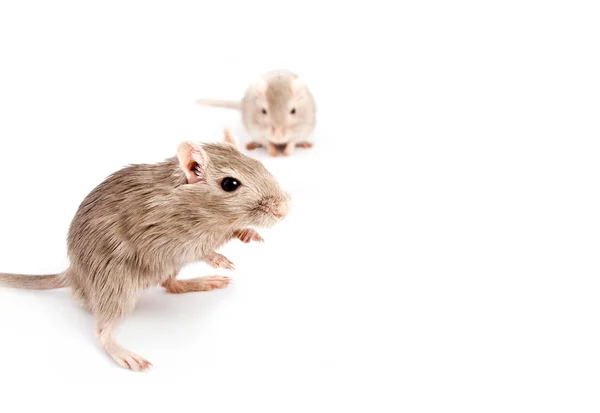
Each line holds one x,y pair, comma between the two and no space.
175,316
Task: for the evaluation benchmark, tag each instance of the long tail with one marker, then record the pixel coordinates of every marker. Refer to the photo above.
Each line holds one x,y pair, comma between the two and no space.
34,282
228,104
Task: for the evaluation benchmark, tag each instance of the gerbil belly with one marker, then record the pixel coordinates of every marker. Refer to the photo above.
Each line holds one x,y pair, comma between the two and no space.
90,277
95,272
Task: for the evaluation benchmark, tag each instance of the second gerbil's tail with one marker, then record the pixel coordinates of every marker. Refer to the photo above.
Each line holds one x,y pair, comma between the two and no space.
228,104
34,282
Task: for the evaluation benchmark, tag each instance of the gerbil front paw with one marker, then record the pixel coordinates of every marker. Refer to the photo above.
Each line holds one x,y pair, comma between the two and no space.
289,148
247,235
220,261
272,149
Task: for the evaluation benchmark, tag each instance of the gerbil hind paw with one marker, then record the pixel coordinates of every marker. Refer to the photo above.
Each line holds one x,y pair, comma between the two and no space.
196,284
247,235
121,356
214,281
220,261
131,361
304,144
253,145
211,282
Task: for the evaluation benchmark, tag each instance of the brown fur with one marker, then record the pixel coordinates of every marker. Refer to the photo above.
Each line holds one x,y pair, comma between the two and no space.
139,227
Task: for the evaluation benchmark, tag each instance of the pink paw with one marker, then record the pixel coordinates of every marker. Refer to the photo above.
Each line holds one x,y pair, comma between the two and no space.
131,361
272,150
220,261
289,149
247,235
214,281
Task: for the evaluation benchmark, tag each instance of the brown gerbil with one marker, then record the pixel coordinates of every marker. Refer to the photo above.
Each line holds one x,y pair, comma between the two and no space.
277,111
145,222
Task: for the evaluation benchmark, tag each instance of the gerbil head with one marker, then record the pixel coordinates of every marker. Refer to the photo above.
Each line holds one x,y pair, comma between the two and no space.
282,107
228,187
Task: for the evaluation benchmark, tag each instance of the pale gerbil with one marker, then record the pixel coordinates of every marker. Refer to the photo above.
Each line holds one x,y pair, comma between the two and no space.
277,110
145,222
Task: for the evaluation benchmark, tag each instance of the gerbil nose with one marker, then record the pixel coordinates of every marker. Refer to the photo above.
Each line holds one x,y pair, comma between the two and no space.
278,134
284,205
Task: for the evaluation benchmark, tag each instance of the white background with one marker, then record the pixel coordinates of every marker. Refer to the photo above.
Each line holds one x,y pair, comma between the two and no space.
442,252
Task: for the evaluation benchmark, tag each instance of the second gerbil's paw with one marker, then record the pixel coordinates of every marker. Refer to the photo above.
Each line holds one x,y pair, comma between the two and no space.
220,261
247,235
304,144
272,149
289,149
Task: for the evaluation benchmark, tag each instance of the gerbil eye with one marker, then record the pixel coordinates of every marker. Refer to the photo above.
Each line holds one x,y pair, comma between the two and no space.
293,112
264,111
230,184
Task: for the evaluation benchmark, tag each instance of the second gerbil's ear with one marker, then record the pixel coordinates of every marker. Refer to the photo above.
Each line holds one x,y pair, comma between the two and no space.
298,87
260,87
193,161
229,138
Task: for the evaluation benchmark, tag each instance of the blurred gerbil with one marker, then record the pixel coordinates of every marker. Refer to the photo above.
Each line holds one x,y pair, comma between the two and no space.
278,111
144,223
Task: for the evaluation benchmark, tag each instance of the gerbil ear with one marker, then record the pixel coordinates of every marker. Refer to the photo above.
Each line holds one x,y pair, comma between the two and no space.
298,87
229,138
193,161
260,87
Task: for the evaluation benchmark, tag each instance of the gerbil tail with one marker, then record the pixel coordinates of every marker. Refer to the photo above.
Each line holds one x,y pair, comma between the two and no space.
34,282
228,104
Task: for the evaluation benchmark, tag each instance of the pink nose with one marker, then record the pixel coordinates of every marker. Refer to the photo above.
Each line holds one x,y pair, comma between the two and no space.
278,133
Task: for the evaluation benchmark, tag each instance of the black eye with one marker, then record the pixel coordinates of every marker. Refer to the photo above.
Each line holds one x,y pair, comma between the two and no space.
230,184
264,111
293,112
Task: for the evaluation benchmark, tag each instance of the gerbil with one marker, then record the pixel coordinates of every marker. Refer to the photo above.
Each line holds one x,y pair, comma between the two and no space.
277,110
144,223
